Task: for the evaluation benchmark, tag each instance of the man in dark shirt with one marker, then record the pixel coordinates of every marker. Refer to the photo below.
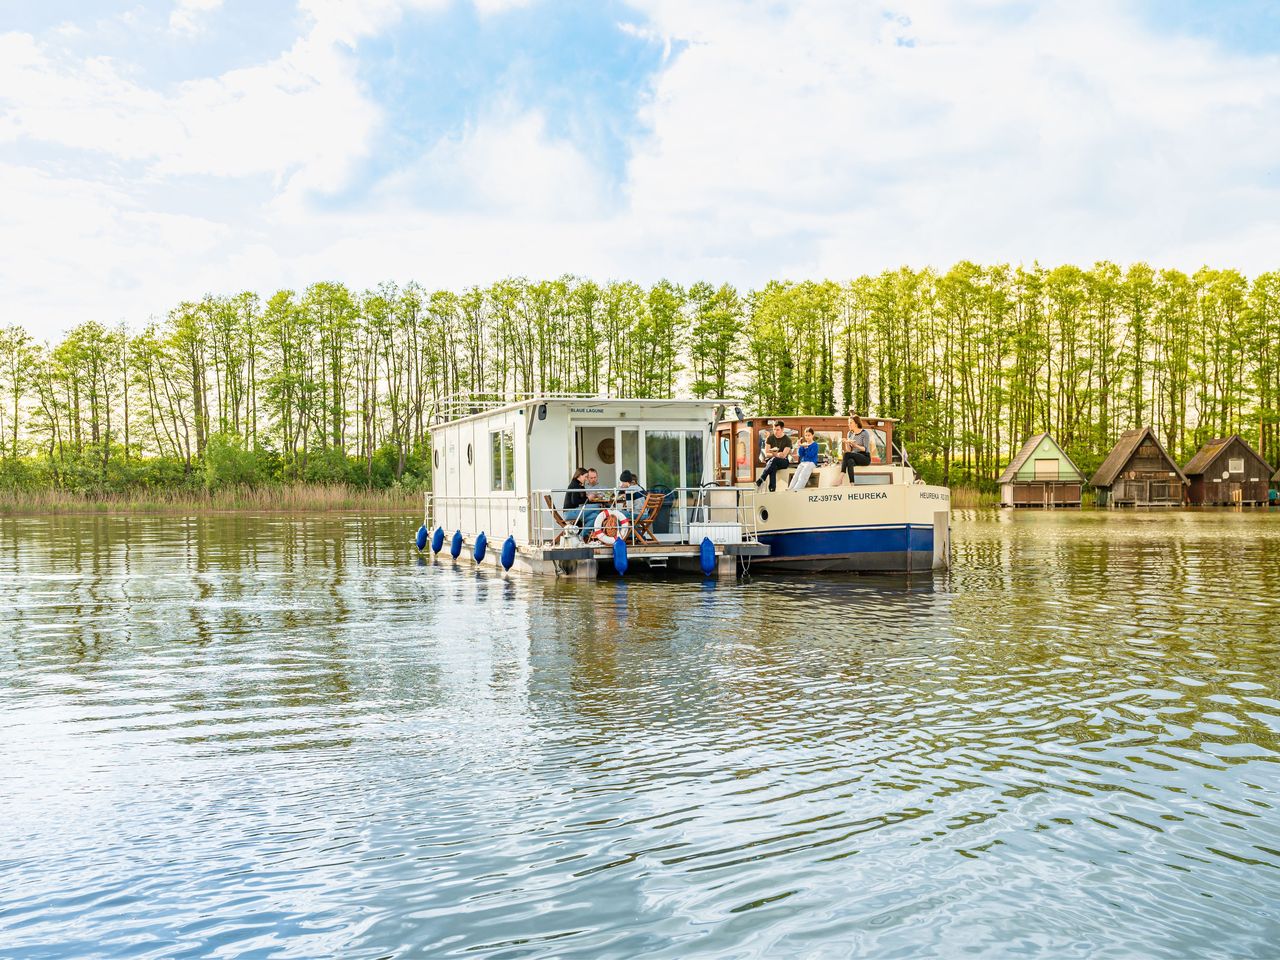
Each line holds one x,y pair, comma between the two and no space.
777,450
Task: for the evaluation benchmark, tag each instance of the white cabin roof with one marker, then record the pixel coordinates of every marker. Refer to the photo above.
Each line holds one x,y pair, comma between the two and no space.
500,408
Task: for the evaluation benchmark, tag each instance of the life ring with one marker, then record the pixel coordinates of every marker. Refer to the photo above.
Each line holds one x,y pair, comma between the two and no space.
610,525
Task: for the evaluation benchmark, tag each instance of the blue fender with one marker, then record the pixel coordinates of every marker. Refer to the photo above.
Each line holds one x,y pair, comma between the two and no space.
707,556
508,553
421,538
482,544
620,556
437,540
455,545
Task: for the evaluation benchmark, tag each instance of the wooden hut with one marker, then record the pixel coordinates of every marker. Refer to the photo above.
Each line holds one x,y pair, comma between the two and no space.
1227,471
1041,475
1139,472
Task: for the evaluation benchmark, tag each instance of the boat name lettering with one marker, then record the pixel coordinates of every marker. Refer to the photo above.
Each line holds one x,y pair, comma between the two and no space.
925,495
586,409
836,497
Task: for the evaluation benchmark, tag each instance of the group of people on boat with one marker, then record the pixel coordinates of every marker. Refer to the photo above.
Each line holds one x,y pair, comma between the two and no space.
584,502
778,453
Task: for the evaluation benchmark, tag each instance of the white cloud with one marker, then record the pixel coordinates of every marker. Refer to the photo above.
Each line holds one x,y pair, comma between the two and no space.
188,16
806,139
506,165
1071,134
301,115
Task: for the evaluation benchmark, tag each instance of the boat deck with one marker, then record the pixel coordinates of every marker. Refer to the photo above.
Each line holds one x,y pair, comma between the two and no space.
648,551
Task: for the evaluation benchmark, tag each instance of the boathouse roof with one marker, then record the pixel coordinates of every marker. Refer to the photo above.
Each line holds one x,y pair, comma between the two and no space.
1210,452
1017,463
1124,451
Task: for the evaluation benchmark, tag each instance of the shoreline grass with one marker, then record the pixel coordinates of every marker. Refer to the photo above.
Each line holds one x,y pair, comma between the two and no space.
284,498
969,497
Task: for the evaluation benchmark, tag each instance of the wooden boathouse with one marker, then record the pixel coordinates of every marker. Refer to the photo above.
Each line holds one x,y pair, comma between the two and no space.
1227,471
1041,475
1138,472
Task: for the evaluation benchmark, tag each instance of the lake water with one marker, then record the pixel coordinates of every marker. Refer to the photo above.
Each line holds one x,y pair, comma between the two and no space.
253,737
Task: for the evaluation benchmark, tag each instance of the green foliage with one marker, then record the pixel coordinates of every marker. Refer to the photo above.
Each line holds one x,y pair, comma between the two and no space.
227,463
332,386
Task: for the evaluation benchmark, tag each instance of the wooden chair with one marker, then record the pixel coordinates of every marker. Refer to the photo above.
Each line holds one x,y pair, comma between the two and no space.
555,515
643,525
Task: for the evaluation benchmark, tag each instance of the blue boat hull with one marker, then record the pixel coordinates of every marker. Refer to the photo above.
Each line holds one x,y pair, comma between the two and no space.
882,548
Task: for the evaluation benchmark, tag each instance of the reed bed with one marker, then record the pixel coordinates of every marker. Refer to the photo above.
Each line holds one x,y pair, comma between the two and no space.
291,498
971,497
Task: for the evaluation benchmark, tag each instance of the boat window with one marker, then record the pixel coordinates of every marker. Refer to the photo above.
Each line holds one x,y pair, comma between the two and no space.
742,454
878,443
436,458
692,459
502,460
828,445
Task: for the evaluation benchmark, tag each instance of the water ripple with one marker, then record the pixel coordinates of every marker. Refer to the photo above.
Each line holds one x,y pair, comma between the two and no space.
247,737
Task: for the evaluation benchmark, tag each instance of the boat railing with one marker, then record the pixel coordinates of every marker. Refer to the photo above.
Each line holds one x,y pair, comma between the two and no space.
459,405
724,514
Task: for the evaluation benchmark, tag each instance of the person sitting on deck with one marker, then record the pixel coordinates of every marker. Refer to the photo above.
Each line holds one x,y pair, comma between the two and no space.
575,496
630,494
777,450
808,454
592,503
857,446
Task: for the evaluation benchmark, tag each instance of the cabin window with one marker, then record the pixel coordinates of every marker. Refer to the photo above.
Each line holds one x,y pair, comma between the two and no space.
502,464
1236,465
1046,469
742,454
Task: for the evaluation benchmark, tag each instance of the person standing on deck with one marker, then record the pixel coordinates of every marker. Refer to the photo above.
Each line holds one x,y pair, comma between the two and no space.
857,446
777,450
808,454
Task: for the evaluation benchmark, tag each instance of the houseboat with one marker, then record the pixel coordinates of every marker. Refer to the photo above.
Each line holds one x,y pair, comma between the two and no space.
503,469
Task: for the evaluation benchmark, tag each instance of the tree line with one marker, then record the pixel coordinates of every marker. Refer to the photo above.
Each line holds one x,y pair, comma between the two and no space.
335,385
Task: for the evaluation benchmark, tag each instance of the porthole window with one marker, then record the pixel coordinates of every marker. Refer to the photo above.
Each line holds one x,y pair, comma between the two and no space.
764,514
436,458
469,455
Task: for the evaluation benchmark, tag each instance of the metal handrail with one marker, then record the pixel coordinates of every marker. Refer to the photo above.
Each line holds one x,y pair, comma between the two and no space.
690,505
455,406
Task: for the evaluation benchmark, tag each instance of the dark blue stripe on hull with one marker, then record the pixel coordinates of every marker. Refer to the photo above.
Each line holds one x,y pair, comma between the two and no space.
856,540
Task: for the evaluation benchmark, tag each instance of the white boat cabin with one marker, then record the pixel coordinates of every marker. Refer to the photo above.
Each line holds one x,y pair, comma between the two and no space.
492,469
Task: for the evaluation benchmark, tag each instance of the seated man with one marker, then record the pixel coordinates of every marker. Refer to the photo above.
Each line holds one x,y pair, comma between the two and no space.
777,450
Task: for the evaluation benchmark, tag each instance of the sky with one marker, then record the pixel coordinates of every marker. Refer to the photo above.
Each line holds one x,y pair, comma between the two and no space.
154,151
